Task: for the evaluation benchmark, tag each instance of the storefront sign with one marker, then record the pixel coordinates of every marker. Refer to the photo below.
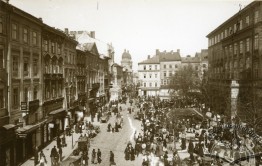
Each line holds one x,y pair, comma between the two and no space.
23,106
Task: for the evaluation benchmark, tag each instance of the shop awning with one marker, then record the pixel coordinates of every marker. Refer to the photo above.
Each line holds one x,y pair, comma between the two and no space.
27,129
91,99
8,126
57,111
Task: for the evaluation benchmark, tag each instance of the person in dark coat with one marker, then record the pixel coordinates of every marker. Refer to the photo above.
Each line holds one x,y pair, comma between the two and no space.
58,141
99,154
36,155
112,158
109,127
127,153
93,156
54,156
191,150
60,151
201,149
165,159
137,149
132,154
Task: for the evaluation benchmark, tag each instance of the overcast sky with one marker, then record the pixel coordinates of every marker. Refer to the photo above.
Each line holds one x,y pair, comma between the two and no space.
140,26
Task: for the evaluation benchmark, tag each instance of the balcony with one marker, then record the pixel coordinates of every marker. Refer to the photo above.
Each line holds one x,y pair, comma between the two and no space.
49,76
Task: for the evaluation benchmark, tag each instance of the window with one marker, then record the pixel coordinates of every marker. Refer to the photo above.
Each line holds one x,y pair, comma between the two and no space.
150,67
170,74
164,66
144,75
15,97
35,92
26,66
226,51
150,75
204,65
240,25
34,38
230,49
25,94
241,47
150,84
15,66
53,47
1,58
256,42
155,67
222,35
14,32
170,66
247,45
144,67
225,33
176,66
247,20
235,48
2,99
45,45
35,67
53,89
155,84
1,25
144,84
47,90
59,48
235,28
230,31
25,35
60,89
256,16
155,75
164,74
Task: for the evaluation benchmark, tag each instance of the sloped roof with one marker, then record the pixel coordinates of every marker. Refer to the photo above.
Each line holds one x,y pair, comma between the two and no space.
190,60
153,60
170,56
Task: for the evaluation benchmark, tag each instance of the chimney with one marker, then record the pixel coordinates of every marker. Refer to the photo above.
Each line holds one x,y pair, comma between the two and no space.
157,51
148,57
40,18
92,34
178,51
66,31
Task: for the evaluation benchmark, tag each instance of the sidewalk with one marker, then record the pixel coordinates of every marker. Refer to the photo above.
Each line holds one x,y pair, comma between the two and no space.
66,150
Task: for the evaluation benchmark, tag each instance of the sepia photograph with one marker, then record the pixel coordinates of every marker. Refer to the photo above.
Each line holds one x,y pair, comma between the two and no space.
130,83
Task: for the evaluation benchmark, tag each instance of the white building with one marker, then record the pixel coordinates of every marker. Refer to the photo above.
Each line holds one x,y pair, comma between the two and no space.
149,76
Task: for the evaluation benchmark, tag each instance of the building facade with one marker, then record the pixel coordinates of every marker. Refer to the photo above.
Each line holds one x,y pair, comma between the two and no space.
149,76
234,56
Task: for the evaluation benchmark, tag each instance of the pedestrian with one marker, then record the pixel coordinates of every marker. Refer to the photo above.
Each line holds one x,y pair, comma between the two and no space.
43,161
109,127
132,154
191,150
36,155
93,156
60,151
58,141
54,156
99,154
112,158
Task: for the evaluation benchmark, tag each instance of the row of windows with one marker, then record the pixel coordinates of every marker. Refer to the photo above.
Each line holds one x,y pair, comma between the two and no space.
150,67
53,89
232,29
239,47
16,94
55,47
150,84
25,34
26,66
150,75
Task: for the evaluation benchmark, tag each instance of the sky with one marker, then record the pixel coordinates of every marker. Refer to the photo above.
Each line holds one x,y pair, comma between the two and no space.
140,26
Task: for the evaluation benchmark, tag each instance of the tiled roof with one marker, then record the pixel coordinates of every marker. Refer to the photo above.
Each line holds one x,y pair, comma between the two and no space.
153,60
169,56
190,60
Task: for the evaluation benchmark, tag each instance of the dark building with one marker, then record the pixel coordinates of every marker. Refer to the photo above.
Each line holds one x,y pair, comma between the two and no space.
235,56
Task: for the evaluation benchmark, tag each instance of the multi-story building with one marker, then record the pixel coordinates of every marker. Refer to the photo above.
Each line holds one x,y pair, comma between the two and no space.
234,56
149,76
169,64
155,73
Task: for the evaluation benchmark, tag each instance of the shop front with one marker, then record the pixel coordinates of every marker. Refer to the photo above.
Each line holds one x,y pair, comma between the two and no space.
26,142
7,145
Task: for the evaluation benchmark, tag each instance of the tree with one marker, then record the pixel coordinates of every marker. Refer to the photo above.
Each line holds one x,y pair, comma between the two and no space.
185,86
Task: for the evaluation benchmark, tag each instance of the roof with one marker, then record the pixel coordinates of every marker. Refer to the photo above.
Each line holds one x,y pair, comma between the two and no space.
170,56
153,60
126,55
233,17
117,65
190,60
